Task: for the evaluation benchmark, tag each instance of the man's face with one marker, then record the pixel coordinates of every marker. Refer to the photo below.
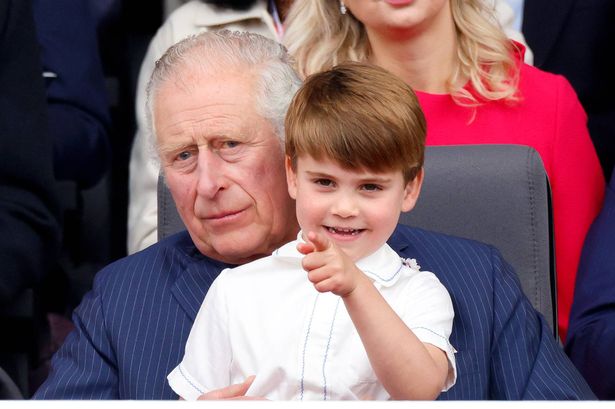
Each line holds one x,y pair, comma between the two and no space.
224,166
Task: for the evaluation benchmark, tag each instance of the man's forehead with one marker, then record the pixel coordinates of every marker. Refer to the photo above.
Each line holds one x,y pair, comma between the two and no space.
188,76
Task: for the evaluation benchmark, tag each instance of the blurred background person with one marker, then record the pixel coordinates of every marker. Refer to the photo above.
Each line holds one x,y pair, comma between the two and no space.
592,319
29,208
574,38
78,109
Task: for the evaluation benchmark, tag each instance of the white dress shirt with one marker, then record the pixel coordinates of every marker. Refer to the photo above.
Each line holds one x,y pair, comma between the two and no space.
266,319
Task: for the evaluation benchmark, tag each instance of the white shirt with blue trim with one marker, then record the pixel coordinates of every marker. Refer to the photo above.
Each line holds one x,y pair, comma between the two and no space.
266,319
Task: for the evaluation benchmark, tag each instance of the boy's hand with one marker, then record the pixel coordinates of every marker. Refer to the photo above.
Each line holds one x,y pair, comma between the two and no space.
328,267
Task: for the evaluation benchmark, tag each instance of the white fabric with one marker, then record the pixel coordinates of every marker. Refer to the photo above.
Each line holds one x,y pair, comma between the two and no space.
191,18
266,319
517,6
507,17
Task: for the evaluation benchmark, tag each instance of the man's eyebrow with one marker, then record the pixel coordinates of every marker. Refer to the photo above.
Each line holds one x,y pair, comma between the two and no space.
173,147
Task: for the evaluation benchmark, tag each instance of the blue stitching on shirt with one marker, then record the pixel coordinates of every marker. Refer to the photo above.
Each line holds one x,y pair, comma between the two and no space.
387,279
324,376
307,334
188,380
448,343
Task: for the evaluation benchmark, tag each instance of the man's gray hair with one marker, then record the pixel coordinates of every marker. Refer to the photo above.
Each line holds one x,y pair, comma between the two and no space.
220,51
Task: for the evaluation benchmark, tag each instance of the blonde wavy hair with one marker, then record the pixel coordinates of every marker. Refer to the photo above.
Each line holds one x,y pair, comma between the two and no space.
320,37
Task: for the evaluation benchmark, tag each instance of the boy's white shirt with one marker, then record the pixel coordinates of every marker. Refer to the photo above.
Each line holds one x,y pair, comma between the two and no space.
266,319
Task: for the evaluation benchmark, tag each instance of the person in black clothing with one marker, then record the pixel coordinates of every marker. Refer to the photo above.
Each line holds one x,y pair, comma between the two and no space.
575,38
29,211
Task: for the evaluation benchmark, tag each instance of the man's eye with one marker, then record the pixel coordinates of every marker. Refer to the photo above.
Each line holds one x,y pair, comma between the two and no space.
371,187
324,182
185,155
230,144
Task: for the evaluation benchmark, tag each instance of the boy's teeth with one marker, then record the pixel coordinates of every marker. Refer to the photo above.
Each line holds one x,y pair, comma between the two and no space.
343,231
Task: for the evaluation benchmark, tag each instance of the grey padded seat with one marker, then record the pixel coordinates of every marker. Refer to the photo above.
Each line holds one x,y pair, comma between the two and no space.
496,194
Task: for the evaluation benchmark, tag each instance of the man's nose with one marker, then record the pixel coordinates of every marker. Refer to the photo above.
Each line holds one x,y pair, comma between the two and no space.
345,205
211,174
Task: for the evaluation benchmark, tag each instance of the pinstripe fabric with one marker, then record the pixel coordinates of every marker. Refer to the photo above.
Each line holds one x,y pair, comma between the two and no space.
131,329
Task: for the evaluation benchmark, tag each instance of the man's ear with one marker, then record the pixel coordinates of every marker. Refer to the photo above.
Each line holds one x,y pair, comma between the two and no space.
412,191
291,178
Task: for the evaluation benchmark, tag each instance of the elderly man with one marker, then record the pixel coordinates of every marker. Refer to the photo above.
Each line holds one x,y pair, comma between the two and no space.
218,101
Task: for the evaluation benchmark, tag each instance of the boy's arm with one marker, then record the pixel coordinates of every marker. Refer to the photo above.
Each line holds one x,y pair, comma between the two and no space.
407,367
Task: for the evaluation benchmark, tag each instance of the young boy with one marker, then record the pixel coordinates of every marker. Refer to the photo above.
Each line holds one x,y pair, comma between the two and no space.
336,314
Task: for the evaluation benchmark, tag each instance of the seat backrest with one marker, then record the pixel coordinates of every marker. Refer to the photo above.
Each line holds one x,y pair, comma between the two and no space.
496,194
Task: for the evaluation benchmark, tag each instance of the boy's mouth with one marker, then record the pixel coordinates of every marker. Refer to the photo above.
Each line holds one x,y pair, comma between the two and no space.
344,231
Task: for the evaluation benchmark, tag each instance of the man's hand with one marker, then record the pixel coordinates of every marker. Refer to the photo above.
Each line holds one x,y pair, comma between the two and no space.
232,392
328,267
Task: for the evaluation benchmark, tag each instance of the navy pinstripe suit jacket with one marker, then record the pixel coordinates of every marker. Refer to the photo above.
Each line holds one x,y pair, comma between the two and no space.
132,327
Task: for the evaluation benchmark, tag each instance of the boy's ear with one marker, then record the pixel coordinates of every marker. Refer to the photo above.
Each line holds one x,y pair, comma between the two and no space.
412,191
291,178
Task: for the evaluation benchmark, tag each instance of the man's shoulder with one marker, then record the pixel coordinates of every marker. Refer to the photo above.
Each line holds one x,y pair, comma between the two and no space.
405,236
443,254
168,256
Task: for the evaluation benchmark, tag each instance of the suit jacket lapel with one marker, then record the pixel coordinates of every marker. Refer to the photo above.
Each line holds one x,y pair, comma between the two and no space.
193,281
543,20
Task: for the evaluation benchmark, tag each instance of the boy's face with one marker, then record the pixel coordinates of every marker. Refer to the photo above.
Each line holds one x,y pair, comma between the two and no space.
357,209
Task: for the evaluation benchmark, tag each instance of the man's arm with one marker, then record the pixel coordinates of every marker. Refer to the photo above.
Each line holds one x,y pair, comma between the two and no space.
527,362
85,367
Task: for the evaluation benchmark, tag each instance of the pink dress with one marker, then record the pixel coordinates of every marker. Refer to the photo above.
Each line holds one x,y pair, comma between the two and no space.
550,119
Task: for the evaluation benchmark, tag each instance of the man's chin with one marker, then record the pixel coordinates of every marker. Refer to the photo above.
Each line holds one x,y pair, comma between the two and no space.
230,251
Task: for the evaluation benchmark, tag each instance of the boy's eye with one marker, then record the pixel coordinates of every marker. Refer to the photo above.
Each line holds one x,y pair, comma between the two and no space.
324,182
371,187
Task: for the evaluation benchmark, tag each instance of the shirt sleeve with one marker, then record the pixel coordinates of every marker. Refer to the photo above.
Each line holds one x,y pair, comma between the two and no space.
429,314
207,359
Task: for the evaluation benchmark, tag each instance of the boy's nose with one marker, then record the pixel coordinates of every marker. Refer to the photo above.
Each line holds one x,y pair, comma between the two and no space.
345,206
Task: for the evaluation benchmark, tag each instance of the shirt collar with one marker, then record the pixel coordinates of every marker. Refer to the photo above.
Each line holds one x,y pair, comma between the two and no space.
384,266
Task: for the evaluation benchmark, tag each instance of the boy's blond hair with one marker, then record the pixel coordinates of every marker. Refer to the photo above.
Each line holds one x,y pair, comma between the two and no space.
361,117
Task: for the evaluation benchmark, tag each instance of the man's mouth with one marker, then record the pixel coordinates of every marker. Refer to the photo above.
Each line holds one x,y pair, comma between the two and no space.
221,216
